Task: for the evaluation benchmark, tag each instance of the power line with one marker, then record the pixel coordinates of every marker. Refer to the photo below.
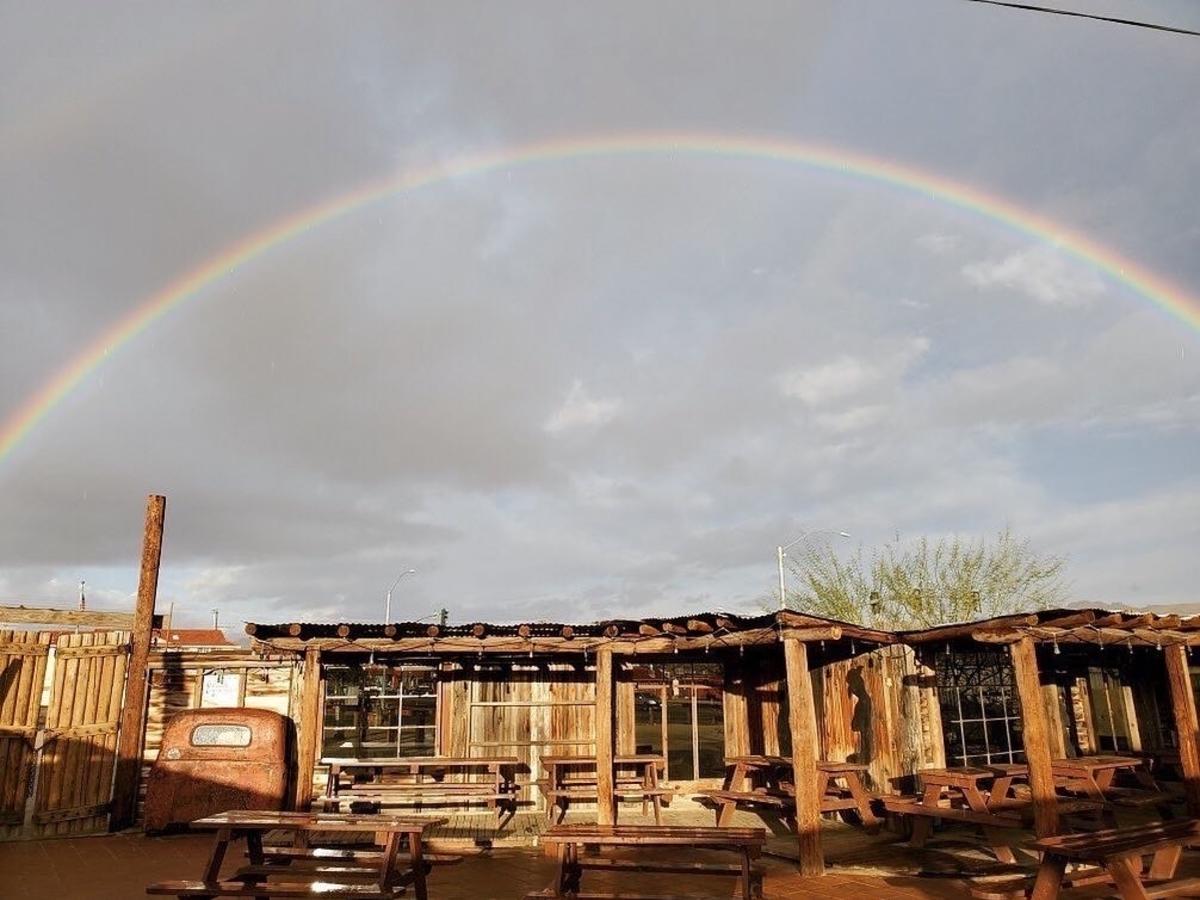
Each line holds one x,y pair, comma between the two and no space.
1082,15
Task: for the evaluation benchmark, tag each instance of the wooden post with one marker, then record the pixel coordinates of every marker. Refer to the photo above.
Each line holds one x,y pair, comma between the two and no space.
1183,702
133,709
308,727
1035,734
606,811
802,719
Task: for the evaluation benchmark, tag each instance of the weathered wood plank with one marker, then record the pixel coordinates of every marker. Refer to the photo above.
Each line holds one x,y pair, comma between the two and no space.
133,712
1187,728
1035,737
805,751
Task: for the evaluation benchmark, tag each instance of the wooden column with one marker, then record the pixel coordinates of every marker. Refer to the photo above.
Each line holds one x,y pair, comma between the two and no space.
802,720
133,708
308,728
1035,735
1183,702
606,809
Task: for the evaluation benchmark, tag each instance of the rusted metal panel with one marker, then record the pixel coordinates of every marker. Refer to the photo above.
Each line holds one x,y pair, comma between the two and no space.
217,759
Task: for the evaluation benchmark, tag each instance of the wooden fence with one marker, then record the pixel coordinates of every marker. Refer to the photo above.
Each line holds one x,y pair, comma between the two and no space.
58,756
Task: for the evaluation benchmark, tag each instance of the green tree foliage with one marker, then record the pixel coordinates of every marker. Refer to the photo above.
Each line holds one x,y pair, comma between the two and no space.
923,583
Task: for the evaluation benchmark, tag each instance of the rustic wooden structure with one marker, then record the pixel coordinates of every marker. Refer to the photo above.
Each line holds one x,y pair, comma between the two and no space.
786,685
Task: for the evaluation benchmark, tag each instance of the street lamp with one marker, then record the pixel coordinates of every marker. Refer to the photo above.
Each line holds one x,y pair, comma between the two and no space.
783,549
387,609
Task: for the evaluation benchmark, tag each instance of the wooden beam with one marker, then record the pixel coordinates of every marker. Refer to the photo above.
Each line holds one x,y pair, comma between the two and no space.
92,618
810,634
1183,702
307,728
1035,735
802,719
1086,617
133,709
606,809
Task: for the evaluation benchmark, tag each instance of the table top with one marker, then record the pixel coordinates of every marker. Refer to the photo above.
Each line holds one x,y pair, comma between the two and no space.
266,820
424,761
759,761
1093,763
625,759
1098,845
956,773
654,835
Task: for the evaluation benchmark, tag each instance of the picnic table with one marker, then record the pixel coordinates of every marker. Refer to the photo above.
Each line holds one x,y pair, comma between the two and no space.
387,879
564,782
958,794
667,839
1093,776
1119,852
983,796
371,782
778,789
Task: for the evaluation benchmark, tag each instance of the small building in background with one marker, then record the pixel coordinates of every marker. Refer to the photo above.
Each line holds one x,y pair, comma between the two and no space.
193,640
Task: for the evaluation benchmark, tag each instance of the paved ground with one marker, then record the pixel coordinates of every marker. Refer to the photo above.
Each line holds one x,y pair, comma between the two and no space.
117,867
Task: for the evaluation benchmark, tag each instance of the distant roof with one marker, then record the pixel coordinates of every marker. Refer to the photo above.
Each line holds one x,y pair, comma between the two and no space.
192,637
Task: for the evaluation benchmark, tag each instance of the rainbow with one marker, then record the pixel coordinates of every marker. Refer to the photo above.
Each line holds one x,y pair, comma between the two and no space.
1163,293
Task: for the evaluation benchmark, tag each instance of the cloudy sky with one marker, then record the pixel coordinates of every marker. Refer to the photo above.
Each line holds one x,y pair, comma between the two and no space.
592,386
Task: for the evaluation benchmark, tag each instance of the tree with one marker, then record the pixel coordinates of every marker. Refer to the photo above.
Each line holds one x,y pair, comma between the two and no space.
924,583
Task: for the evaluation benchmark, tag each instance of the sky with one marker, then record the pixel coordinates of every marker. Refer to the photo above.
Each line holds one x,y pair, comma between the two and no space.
589,386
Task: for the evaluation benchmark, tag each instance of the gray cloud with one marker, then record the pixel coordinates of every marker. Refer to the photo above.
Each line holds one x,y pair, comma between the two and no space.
589,386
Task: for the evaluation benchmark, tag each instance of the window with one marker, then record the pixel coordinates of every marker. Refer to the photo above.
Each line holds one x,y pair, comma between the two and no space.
981,718
220,736
679,712
380,711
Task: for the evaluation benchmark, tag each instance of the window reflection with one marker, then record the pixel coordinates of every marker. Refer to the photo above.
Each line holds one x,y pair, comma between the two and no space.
679,712
380,711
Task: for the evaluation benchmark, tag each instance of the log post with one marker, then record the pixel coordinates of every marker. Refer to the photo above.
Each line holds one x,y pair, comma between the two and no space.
132,726
1183,702
1035,735
606,812
308,728
802,719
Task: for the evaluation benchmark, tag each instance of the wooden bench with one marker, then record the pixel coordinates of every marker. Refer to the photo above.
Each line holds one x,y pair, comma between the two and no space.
727,801
564,782
1119,852
367,785
747,842
273,889
334,854
339,877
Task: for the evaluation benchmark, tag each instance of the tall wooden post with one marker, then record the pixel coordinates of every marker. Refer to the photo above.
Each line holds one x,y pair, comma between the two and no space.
606,809
802,719
1035,735
133,708
1183,702
308,727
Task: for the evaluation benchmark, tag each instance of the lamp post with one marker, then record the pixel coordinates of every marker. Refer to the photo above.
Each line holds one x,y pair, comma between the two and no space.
782,550
387,607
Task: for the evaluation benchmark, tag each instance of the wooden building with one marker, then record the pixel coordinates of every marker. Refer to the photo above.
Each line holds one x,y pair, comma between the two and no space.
698,688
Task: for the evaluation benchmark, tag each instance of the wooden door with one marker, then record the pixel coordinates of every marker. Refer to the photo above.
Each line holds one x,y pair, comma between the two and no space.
79,741
23,657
